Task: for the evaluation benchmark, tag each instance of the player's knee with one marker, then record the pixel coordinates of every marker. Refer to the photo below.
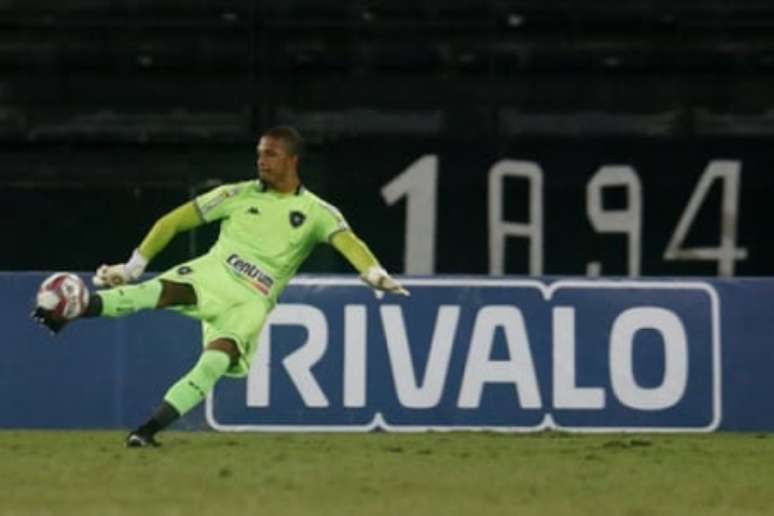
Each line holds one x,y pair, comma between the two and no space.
227,346
175,294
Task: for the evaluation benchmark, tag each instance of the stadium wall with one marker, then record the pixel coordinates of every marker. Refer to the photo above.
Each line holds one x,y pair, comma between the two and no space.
510,354
625,206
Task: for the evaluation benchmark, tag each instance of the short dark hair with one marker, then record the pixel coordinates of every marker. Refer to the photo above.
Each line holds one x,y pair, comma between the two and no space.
294,143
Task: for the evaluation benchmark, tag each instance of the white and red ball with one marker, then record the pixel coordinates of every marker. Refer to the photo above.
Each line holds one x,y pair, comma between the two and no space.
64,294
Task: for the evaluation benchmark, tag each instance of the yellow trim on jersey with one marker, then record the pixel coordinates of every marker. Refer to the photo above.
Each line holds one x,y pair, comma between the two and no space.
354,250
180,219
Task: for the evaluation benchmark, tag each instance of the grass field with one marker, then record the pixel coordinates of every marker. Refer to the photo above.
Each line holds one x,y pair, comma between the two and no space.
90,473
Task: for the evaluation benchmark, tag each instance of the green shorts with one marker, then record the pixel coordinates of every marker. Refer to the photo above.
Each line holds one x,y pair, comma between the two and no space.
226,306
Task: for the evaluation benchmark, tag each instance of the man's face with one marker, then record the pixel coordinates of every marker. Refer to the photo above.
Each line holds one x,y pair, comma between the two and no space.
273,162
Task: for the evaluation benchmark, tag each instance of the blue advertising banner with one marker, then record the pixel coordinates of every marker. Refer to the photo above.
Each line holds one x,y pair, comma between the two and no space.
484,353
461,353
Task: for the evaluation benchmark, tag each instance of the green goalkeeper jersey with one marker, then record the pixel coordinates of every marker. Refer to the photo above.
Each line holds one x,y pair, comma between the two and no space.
265,235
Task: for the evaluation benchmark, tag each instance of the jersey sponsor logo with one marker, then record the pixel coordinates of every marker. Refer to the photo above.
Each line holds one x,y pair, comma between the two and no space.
257,277
297,218
485,354
221,196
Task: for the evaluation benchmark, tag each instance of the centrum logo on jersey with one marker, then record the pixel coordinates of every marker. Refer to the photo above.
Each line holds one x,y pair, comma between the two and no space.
259,279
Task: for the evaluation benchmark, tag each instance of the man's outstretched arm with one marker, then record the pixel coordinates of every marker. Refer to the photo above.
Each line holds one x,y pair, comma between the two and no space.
182,218
364,261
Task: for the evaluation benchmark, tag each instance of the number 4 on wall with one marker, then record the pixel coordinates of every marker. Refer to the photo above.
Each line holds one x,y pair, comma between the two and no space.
726,254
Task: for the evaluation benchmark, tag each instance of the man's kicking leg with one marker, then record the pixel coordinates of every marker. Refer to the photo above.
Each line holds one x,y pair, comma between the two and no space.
125,300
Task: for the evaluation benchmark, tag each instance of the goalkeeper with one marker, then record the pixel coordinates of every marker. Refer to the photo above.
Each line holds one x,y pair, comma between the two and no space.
268,227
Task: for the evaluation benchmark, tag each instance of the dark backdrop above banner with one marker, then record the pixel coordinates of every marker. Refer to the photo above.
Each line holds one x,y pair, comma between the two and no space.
527,206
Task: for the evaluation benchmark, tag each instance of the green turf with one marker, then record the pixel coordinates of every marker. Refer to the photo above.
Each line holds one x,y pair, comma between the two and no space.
90,473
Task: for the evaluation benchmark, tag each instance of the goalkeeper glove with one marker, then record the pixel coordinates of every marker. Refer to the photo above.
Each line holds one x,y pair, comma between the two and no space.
377,278
108,276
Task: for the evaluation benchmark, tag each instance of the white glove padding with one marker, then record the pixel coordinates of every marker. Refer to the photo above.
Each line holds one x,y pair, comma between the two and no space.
121,273
377,278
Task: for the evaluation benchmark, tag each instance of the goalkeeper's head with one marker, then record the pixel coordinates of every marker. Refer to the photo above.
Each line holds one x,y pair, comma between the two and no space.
277,155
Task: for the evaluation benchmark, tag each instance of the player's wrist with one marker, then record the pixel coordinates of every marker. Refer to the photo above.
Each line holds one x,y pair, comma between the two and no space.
378,278
374,276
135,266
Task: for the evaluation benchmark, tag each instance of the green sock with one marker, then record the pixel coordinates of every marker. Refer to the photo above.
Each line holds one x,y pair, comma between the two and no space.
191,389
120,301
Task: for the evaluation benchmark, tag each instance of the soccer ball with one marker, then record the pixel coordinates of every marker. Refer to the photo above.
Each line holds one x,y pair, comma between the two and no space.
64,295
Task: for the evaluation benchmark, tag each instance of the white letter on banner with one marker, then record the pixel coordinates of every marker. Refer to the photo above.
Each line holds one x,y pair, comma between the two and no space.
518,370
299,363
410,393
258,387
499,230
673,337
567,395
354,356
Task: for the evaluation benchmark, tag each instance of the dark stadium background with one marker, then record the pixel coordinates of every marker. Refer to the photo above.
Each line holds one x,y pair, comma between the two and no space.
112,112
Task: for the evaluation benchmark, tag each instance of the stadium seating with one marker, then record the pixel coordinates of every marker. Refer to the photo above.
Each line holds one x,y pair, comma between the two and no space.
72,65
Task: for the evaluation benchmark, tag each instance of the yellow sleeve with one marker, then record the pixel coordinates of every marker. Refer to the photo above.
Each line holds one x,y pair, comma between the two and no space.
180,219
354,250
